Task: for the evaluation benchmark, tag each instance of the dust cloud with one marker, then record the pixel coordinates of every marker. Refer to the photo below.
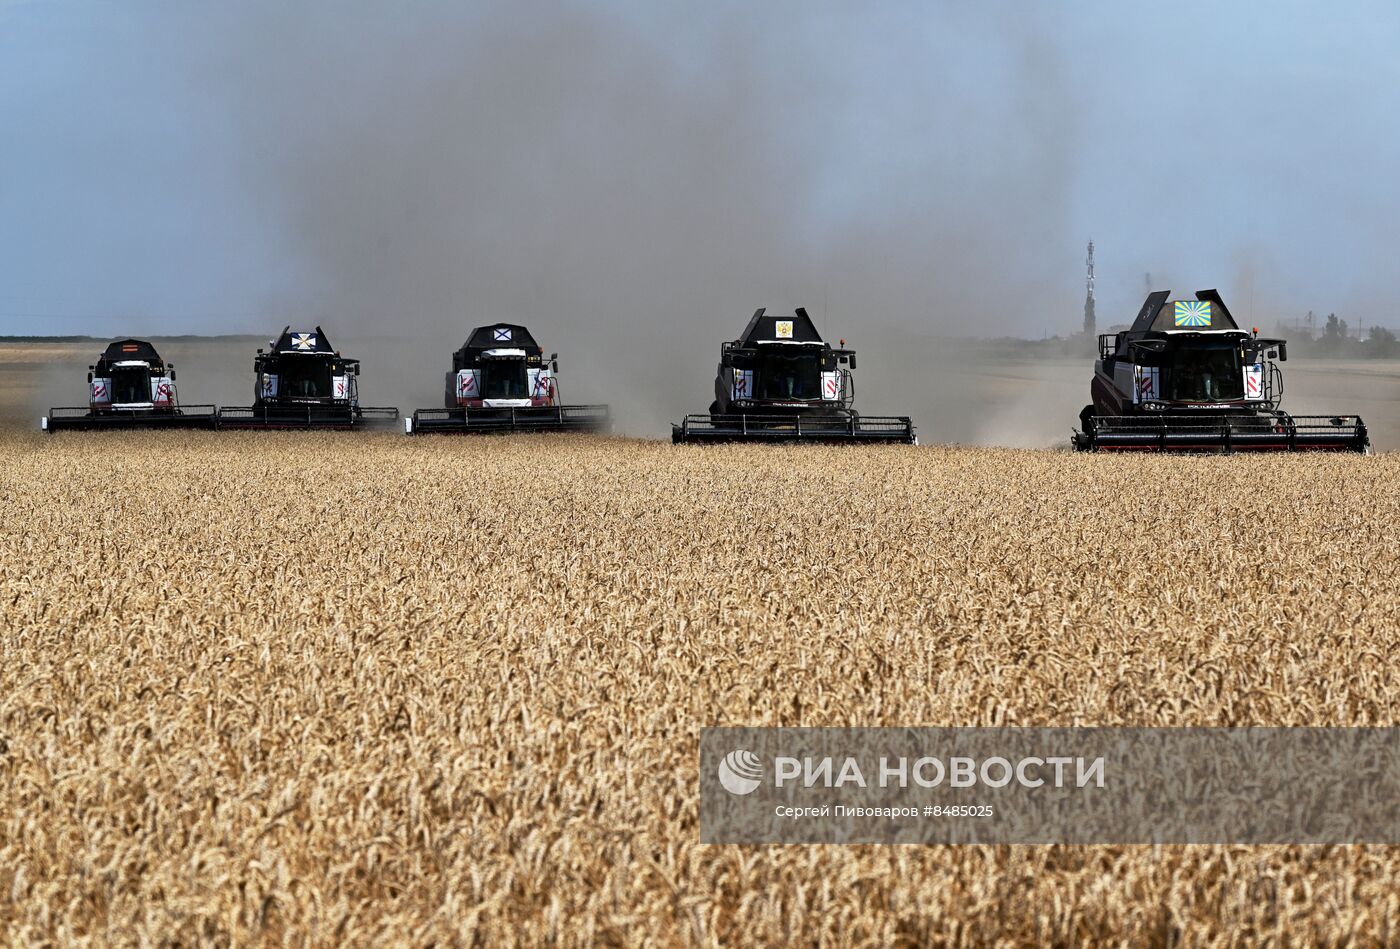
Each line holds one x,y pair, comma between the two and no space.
632,203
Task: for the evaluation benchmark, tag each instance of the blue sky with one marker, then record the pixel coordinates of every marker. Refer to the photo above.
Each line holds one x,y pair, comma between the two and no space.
216,167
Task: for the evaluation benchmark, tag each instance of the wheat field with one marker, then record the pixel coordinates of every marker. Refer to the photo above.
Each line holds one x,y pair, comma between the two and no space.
358,688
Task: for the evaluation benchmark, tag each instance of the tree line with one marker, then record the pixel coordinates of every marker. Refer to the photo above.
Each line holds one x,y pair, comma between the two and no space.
1335,340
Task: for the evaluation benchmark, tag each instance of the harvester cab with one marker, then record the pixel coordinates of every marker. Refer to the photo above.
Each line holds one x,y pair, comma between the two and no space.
130,386
301,381
501,382
1186,377
780,381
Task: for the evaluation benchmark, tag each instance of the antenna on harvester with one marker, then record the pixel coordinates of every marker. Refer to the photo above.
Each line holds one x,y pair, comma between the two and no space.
1089,321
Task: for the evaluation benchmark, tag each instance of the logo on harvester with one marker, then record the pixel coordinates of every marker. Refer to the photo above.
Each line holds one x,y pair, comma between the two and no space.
502,334
304,341
783,328
1192,313
740,772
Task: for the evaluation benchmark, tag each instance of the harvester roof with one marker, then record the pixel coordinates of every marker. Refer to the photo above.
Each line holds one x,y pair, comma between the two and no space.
501,336
763,328
1160,314
299,341
130,350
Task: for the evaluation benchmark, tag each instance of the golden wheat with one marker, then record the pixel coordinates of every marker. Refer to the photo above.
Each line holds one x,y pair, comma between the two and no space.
360,688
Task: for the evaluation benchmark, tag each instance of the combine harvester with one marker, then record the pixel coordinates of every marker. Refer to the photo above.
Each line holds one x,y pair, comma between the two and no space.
501,383
130,387
780,382
304,383
1185,378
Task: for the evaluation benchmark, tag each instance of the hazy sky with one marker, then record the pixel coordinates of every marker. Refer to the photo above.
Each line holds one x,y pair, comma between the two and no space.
418,167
